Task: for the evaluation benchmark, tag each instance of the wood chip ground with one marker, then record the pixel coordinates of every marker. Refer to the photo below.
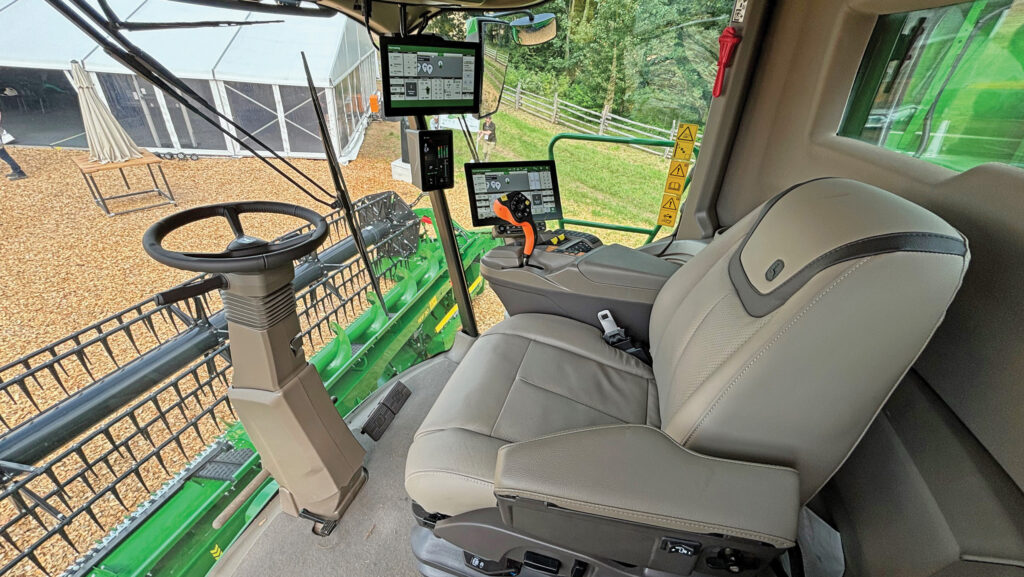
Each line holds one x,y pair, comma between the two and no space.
64,264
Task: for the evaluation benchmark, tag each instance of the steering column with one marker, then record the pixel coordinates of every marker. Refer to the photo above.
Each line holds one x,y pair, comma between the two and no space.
278,396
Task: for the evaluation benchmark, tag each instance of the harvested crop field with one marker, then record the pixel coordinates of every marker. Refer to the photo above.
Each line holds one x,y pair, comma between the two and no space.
65,265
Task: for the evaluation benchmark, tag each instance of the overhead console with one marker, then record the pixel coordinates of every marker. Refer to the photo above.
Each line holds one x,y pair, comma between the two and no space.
561,272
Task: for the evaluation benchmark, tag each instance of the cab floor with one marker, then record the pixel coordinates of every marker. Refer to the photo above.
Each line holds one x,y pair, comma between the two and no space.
372,539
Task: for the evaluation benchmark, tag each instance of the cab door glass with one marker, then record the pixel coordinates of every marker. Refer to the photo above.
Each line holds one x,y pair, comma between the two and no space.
945,85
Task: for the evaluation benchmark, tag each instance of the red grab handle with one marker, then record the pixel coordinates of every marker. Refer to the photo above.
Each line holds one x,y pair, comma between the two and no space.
727,43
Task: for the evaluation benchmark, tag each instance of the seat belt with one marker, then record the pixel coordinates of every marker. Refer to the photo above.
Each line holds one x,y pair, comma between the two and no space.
616,336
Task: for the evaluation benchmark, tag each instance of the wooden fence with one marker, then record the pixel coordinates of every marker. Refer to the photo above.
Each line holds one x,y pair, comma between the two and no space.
587,121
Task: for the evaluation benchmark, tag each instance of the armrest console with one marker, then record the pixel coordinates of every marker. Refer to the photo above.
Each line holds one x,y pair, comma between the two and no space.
654,495
614,277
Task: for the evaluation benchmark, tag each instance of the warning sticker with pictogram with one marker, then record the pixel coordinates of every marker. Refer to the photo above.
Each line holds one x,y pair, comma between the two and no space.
683,151
674,186
687,133
686,138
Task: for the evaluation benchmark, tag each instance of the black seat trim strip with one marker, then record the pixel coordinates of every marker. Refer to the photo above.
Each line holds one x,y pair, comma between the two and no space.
759,304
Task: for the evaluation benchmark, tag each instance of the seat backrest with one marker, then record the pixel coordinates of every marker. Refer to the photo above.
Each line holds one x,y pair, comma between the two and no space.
781,340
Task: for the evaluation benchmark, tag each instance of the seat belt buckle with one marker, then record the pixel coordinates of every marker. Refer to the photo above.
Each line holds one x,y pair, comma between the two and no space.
613,333
608,322
616,337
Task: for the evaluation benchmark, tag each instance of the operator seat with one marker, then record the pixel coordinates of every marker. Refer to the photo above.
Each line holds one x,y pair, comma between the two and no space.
776,345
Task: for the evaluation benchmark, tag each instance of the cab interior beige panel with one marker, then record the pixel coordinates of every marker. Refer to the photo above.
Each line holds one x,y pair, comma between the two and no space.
788,134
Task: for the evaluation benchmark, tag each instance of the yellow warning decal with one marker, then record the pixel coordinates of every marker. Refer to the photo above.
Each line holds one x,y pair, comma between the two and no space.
216,552
687,133
678,169
674,186
683,151
669,202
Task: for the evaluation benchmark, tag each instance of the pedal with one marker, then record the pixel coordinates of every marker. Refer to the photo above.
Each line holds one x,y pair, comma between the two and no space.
321,527
382,416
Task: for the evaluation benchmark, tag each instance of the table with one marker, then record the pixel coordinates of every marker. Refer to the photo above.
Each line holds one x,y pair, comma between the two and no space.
89,169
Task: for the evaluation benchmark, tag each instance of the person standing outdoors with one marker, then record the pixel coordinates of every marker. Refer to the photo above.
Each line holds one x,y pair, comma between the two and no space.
16,172
489,137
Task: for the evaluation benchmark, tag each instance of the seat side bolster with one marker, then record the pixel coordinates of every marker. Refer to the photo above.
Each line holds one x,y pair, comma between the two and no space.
652,480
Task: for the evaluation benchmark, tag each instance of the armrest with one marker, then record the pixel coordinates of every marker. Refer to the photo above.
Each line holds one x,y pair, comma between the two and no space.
638,474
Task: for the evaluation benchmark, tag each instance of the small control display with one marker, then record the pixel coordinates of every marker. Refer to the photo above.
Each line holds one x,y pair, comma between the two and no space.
571,242
431,159
427,75
535,179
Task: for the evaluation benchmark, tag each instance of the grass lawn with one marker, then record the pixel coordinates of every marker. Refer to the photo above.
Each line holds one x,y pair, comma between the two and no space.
600,182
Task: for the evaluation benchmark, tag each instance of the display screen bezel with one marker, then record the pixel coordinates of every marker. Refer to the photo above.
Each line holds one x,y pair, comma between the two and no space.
472,167
392,108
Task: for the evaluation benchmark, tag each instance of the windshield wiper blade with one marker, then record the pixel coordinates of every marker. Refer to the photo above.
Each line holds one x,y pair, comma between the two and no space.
143,26
291,8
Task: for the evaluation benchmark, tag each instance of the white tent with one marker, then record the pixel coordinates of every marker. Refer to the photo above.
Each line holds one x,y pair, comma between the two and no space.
253,74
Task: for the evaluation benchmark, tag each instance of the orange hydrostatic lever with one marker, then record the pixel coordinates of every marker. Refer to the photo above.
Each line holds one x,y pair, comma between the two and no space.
515,208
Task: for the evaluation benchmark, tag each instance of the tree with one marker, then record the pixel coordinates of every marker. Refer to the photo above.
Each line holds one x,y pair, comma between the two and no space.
652,61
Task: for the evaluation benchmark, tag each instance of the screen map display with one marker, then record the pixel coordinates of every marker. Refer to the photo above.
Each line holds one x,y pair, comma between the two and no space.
430,79
490,180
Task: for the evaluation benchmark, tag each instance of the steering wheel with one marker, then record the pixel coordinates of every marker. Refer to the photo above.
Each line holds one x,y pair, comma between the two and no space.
243,254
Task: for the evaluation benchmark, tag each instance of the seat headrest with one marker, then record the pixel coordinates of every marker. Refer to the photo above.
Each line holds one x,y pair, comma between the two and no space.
817,224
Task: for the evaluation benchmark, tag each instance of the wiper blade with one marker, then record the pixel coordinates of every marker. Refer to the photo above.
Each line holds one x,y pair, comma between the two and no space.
290,8
142,26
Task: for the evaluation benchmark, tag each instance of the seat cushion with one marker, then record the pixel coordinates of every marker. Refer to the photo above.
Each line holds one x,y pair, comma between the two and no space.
529,376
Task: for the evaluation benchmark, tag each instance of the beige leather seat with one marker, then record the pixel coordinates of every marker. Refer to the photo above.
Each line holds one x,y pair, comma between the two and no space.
777,344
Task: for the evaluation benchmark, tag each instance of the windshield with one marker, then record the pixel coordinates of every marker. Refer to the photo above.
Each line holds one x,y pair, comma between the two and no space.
616,68
77,298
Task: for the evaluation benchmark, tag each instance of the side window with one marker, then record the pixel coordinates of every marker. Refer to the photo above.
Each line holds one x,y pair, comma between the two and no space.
945,85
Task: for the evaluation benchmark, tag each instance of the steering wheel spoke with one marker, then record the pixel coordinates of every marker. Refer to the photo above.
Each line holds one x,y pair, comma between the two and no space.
230,213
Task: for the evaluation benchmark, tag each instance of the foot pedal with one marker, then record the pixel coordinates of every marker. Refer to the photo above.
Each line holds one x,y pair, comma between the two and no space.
321,527
385,412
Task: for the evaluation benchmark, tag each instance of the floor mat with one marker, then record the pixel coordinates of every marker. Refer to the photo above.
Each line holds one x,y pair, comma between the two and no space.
372,539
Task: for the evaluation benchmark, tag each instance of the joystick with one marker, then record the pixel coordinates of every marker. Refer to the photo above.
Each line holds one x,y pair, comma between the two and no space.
516,209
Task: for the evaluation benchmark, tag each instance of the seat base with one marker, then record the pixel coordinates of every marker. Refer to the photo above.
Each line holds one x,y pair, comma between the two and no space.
456,544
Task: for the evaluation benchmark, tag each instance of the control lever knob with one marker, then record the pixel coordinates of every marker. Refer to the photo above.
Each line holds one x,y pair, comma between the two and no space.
516,209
